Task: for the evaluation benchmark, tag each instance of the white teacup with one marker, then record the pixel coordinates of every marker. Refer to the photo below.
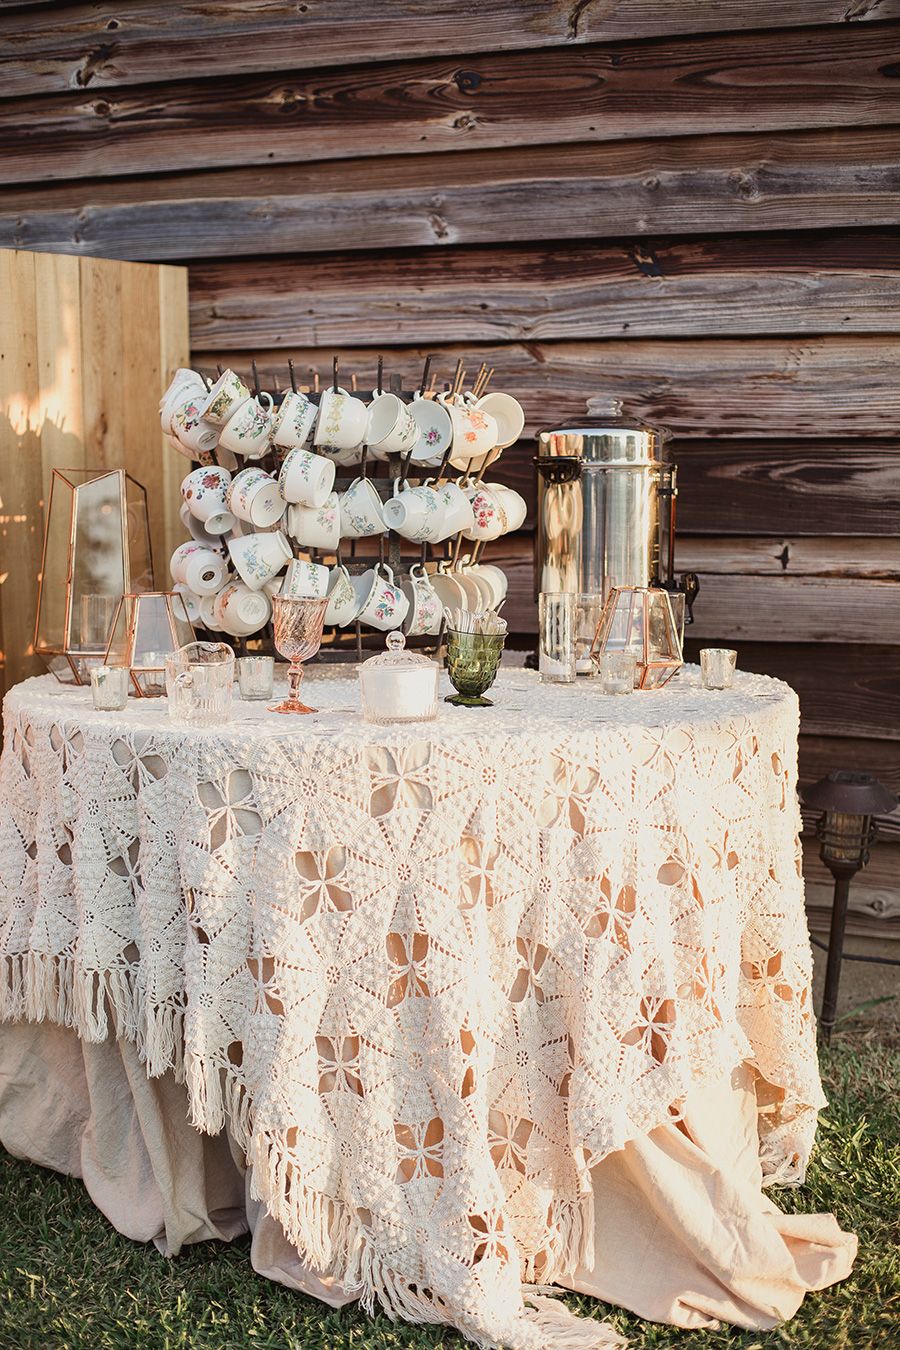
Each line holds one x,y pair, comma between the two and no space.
456,509
209,617
391,426
425,608
382,603
489,516
258,557
434,427
342,599
448,589
316,526
474,431
205,492
196,529
183,385
294,420
255,496
306,479
305,581
342,420
361,510
224,398
507,412
248,428
201,569
190,428
191,602
240,610
415,513
513,503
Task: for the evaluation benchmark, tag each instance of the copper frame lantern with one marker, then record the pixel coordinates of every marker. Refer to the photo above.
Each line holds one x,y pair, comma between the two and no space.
96,547
146,629
639,619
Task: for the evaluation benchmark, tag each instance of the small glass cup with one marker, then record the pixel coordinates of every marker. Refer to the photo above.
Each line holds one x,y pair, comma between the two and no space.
199,680
617,671
717,666
588,608
256,676
109,687
472,661
556,624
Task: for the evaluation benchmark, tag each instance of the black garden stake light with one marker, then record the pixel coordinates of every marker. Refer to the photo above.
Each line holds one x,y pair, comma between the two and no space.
846,831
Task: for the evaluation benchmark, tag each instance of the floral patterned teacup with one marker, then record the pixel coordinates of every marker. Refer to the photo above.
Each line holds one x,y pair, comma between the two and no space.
361,510
190,429
258,557
490,519
305,581
425,608
224,398
455,507
305,478
415,513
474,431
435,430
342,420
198,567
392,427
294,420
382,603
205,492
342,601
240,610
248,428
316,526
255,496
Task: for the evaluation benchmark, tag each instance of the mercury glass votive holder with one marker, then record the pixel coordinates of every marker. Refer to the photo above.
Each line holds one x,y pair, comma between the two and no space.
109,687
472,662
256,676
717,666
618,670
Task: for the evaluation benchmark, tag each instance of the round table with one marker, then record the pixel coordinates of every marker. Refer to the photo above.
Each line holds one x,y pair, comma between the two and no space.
431,974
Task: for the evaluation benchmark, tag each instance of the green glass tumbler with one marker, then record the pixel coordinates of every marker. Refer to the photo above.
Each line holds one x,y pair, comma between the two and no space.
472,661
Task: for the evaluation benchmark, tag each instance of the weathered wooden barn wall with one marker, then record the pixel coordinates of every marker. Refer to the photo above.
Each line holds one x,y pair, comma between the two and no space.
688,210
83,345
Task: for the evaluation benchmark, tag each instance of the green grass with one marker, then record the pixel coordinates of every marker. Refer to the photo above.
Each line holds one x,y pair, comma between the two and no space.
69,1282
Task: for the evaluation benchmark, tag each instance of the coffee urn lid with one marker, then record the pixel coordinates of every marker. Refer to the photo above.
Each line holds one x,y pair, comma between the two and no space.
608,440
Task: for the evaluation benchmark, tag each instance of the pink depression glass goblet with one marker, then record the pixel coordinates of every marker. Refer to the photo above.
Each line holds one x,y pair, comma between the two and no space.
298,636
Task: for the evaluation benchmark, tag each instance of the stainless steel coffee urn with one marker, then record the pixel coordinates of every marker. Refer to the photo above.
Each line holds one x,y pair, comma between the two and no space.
606,508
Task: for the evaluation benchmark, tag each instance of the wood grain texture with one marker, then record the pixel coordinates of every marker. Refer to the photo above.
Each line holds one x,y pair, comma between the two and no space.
684,185
728,286
98,47
786,558
774,80
816,388
820,610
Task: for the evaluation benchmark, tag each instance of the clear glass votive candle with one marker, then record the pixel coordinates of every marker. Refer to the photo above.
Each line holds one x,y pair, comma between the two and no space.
256,676
556,624
717,666
109,687
588,608
617,672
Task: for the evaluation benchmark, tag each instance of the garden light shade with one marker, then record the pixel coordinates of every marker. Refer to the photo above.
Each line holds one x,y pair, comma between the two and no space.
96,548
147,627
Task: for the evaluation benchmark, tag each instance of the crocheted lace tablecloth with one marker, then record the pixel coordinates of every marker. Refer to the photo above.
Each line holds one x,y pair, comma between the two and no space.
433,973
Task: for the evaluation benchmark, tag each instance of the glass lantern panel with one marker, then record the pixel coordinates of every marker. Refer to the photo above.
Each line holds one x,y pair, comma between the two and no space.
184,630
153,631
97,563
662,635
118,653
50,628
626,629
137,526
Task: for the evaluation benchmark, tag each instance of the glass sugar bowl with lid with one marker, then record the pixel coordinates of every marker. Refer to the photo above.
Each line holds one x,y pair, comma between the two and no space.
398,685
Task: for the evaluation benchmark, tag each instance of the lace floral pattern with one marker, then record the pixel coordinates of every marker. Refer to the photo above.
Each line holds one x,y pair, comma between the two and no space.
432,973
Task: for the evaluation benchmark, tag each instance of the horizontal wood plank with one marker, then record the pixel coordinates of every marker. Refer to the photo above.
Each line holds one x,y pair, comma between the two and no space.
746,284
821,755
684,185
816,388
818,610
773,80
846,691
787,558
137,41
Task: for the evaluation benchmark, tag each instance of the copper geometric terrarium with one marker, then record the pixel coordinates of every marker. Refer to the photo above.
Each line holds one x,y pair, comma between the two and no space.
96,547
639,619
146,629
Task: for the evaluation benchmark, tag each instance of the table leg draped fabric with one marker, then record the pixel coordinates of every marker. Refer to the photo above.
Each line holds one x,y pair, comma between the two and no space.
432,976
